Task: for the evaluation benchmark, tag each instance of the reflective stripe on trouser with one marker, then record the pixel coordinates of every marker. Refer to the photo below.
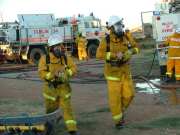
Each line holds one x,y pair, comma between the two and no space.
171,64
64,103
71,125
82,53
120,96
110,78
46,96
177,77
68,112
118,117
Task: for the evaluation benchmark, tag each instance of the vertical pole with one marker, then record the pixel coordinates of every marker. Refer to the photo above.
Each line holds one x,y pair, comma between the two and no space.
1,16
173,96
142,22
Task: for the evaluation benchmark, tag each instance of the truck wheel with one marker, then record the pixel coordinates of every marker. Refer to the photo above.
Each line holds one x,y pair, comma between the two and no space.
35,55
92,50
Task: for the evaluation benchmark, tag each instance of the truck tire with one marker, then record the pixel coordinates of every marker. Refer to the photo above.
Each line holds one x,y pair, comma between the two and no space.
92,50
35,55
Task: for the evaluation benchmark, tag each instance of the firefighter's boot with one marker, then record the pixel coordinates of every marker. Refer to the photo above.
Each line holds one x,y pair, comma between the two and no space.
73,133
120,124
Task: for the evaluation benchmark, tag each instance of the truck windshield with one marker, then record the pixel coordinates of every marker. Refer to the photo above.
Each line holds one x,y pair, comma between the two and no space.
92,24
95,24
87,25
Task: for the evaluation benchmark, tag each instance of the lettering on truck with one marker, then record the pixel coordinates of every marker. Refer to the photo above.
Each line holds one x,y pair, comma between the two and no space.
41,31
167,27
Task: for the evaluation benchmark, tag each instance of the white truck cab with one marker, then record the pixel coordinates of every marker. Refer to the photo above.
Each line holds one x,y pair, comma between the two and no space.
28,37
163,26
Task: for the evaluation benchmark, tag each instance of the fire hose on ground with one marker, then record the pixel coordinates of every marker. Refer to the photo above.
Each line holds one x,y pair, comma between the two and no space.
43,125
172,87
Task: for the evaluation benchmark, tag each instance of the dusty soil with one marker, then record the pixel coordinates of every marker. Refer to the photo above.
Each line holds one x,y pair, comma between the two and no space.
148,114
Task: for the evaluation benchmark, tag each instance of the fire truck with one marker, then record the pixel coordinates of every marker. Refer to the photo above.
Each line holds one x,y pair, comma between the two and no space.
165,21
26,39
89,26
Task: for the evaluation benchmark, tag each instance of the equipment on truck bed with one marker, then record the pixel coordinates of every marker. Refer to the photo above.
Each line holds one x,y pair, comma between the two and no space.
29,125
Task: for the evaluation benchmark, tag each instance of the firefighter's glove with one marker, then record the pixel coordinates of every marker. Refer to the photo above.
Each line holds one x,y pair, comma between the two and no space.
127,55
68,72
60,77
64,76
110,55
49,76
119,55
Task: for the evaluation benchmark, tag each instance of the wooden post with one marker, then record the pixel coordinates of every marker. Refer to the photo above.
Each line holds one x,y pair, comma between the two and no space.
173,97
178,98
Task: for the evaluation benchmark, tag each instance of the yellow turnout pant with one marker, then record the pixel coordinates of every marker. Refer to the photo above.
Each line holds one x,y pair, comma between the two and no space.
120,94
60,97
82,53
173,64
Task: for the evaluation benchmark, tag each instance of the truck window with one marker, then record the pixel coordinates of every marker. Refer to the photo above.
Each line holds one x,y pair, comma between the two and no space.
86,24
95,24
63,22
2,36
17,34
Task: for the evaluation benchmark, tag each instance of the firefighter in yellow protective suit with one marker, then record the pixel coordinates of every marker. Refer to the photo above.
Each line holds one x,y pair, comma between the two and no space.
81,43
117,49
173,62
56,69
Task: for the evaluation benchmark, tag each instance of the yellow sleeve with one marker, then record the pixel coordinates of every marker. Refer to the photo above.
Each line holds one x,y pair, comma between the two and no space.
101,53
72,68
42,69
101,50
133,43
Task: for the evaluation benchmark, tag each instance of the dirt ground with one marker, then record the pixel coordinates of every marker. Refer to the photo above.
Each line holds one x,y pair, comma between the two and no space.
148,114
